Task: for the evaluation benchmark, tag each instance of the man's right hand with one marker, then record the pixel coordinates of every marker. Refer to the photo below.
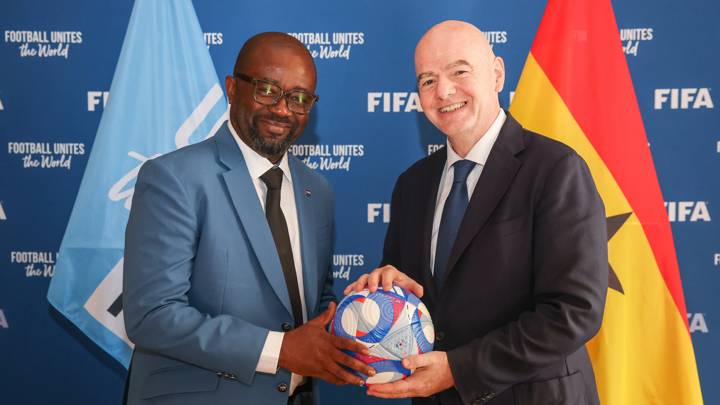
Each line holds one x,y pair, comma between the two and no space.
385,277
311,351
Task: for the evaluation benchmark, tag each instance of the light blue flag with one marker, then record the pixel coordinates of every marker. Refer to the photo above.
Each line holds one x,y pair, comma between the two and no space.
164,95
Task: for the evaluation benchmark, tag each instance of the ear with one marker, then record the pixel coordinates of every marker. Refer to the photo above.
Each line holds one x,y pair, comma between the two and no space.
499,73
230,88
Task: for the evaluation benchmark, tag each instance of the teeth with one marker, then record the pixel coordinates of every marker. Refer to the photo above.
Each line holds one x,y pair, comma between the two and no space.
452,107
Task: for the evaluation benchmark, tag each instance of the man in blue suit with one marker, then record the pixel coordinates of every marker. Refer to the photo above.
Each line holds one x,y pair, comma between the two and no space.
228,249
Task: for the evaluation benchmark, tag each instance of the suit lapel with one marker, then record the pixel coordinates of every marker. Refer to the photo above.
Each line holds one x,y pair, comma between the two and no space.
248,208
496,177
307,221
430,191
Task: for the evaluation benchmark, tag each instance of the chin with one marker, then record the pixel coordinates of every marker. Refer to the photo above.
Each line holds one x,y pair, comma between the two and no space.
449,129
276,146
272,139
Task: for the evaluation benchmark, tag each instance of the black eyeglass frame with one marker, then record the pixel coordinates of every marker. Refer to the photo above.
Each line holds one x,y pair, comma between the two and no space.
283,93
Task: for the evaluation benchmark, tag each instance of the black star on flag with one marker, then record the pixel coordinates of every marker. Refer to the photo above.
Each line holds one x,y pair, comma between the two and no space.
613,225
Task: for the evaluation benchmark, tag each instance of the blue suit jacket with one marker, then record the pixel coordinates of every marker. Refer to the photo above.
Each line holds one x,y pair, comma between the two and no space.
202,281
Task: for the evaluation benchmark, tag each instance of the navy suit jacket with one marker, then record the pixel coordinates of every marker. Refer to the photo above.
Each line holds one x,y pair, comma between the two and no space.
527,275
203,283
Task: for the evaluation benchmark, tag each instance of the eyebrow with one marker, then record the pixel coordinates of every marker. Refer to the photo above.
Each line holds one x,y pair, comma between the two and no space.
459,62
277,83
267,79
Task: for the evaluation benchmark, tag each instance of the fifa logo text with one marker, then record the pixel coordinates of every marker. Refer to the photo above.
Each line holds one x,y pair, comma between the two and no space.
373,212
697,323
687,211
394,102
683,98
94,97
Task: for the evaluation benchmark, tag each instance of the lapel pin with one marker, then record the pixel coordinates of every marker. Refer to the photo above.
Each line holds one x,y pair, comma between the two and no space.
307,192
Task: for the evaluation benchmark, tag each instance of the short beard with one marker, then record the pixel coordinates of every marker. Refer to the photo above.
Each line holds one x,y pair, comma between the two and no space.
266,148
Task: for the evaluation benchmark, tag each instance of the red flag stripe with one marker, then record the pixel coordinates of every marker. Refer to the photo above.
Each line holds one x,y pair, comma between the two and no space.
608,114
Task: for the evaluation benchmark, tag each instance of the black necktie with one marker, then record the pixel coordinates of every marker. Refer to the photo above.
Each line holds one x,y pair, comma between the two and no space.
278,227
452,216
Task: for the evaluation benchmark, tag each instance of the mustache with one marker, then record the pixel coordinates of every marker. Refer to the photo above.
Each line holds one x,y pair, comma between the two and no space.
273,117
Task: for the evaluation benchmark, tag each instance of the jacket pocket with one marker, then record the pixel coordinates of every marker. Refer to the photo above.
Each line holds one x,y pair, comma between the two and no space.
177,380
568,390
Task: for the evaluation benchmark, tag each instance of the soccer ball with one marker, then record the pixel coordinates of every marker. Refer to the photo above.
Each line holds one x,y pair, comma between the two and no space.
392,324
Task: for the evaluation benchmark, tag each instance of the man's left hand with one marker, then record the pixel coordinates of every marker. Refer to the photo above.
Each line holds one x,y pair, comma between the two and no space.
431,375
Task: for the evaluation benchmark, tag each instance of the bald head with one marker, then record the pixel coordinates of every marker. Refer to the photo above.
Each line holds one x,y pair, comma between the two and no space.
459,78
260,43
455,35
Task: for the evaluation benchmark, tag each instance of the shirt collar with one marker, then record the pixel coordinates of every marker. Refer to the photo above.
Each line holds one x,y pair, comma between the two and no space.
481,150
257,164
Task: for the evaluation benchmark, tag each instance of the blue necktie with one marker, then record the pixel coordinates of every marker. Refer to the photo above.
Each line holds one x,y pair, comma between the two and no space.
452,215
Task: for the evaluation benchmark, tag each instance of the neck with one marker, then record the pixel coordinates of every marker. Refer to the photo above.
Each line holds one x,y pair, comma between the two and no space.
273,159
462,145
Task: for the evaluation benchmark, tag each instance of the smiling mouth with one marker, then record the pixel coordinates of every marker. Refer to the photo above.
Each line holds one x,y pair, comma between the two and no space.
276,127
453,107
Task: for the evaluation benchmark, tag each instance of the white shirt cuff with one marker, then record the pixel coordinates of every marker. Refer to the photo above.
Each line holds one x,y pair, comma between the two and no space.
270,355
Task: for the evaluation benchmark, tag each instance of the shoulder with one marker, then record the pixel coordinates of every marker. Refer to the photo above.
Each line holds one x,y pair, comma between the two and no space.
192,161
553,165
188,158
546,147
542,154
529,146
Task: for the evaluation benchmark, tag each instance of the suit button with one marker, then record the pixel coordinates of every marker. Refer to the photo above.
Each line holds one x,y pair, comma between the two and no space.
286,327
439,336
282,387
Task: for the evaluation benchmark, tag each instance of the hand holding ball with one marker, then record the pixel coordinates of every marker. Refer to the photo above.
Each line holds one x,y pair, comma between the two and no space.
392,324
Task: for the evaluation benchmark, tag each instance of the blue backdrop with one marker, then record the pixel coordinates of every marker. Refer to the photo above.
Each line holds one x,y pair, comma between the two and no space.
57,61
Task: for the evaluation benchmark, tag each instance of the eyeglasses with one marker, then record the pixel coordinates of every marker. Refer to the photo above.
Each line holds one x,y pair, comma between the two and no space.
266,92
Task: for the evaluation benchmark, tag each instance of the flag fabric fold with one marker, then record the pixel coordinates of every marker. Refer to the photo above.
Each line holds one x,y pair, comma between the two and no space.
576,88
164,95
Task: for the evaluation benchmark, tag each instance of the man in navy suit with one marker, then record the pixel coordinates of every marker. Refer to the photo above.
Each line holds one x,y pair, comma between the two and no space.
505,232
228,250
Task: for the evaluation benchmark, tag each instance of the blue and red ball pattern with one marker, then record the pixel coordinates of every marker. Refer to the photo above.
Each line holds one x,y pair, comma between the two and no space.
392,324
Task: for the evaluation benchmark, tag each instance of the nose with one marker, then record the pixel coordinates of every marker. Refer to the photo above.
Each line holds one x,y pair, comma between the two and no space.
445,88
280,108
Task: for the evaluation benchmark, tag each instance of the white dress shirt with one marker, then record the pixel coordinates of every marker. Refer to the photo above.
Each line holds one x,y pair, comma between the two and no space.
257,166
478,154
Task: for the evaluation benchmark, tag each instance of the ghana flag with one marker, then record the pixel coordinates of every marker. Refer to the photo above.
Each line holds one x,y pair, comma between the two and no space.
576,88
